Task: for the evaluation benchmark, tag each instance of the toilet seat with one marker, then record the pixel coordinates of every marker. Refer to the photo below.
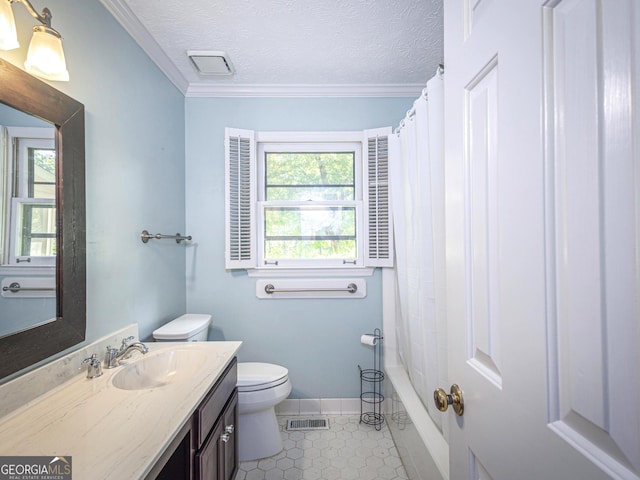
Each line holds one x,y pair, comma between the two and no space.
255,376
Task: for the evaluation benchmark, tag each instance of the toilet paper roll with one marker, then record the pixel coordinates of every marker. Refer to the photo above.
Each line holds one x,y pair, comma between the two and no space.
368,339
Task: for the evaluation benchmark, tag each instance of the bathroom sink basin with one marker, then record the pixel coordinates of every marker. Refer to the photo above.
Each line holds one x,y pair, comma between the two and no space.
158,369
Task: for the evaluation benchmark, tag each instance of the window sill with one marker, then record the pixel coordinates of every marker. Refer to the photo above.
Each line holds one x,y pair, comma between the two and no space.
6,270
310,272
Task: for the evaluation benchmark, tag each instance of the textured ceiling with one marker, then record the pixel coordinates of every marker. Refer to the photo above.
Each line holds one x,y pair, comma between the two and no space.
321,45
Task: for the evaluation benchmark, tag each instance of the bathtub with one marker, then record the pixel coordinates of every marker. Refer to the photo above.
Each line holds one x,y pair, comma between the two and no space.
422,447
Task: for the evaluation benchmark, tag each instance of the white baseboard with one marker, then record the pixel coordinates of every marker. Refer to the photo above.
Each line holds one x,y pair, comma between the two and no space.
319,406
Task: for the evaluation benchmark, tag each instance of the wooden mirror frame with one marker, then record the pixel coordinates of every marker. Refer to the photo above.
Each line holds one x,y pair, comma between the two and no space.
30,95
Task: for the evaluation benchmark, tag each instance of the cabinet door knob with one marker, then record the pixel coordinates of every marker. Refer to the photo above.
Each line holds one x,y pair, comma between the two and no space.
224,437
229,429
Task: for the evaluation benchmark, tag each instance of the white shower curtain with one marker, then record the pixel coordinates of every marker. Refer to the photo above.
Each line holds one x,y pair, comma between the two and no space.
417,196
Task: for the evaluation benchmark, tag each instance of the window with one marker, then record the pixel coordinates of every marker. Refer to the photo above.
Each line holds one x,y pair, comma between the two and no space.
29,235
309,204
307,200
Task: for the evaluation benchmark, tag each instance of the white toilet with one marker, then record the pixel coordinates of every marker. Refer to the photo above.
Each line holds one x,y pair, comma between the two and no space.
261,386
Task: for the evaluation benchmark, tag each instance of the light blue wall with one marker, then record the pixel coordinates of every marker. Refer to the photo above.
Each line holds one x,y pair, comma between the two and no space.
10,117
318,340
134,167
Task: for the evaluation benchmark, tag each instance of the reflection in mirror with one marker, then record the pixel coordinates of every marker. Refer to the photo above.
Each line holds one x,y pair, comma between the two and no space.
40,240
27,221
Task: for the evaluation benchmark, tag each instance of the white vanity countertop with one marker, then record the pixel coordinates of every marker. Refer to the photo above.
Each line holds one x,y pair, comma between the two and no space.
110,432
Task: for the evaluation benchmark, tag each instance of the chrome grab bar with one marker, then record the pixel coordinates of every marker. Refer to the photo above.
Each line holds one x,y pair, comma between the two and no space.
145,235
269,288
15,288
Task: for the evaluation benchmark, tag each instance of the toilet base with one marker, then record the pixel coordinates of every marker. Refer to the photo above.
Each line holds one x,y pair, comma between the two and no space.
258,435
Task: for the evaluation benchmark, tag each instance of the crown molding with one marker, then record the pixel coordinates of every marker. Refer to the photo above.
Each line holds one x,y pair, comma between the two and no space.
303,90
123,14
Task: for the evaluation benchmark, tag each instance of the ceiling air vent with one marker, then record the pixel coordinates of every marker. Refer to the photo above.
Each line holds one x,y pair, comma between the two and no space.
211,62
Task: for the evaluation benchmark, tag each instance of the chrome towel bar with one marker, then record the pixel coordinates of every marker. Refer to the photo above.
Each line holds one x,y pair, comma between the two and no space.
145,235
269,288
15,288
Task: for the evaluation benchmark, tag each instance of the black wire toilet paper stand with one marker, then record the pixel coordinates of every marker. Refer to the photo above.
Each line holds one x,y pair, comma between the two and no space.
371,396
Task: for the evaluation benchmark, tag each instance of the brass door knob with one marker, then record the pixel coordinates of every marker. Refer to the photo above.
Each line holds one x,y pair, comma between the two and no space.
442,400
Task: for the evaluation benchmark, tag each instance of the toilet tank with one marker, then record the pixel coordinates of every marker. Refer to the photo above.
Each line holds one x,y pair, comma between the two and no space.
190,327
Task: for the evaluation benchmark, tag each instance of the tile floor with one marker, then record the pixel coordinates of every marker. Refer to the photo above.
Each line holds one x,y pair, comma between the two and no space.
348,450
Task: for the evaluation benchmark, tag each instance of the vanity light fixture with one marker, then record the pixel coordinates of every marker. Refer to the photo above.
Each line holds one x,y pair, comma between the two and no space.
45,57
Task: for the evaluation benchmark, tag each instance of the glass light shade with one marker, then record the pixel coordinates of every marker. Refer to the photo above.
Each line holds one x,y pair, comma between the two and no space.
45,57
8,34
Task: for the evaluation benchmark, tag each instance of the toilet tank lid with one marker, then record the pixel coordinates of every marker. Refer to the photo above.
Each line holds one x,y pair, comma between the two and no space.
183,327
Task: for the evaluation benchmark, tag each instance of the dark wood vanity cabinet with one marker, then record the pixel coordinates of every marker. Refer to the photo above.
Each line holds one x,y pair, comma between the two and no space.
215,421
217,458
230,448
206,448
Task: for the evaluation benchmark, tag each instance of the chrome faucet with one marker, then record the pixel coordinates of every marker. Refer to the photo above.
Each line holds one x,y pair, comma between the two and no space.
113,355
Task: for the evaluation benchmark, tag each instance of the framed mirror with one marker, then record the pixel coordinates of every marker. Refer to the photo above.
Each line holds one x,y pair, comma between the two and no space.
27,94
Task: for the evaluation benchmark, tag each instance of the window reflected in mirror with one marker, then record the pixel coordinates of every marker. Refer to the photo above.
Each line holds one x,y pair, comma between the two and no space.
31,194
27,222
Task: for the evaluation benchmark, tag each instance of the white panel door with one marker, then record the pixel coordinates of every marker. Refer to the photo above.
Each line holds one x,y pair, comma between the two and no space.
542,148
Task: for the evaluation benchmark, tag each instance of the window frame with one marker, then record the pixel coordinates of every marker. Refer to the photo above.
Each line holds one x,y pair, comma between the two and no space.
15,158
315,146
15,237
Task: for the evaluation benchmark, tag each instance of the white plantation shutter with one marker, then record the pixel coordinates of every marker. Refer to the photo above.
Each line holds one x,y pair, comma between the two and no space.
240,192
377,218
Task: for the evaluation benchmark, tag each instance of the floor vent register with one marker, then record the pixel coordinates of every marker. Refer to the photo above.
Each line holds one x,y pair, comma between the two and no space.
316,423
